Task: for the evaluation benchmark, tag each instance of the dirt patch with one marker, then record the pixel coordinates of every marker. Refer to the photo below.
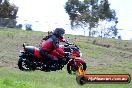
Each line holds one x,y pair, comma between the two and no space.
7,64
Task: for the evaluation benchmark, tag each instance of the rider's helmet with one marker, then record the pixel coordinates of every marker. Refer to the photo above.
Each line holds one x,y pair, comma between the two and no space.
59,32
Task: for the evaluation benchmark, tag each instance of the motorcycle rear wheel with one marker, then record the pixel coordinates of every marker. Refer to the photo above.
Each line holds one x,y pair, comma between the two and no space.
23,65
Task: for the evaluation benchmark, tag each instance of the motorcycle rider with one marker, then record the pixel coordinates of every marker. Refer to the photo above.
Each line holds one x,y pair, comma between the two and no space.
52,43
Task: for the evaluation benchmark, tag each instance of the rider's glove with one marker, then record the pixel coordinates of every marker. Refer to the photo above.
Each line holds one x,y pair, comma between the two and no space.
67,54
64,40
69,58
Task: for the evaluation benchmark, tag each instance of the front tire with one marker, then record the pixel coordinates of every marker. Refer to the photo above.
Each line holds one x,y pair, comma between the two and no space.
71,69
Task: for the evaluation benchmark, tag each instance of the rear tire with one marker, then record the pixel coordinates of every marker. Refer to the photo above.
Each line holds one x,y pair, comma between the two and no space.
23,64
20,62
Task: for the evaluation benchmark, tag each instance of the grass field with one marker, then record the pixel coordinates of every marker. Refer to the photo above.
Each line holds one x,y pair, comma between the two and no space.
101,55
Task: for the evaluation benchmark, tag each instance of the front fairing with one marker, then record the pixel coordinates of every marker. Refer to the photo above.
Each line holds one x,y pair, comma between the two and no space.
76,60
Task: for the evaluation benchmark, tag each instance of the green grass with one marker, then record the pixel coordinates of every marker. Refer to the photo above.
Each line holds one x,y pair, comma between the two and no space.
14,78
100,60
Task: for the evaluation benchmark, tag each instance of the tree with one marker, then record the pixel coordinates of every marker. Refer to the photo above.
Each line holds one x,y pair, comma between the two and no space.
8,14
89,13
0,1
28,27
19,26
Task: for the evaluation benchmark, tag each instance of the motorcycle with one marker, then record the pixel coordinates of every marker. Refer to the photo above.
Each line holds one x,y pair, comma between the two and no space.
30,58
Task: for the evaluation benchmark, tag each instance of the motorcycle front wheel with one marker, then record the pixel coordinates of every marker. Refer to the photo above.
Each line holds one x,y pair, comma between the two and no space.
72,70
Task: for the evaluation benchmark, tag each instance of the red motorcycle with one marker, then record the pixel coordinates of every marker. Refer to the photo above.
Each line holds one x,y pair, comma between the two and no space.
31,59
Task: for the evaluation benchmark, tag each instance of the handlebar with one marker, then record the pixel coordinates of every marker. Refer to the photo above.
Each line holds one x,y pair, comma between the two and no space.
69,43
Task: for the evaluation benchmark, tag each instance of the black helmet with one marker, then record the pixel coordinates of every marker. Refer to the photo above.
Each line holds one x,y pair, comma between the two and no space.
59,32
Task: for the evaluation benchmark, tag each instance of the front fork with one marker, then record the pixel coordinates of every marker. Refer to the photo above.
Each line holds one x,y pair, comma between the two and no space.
75,66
